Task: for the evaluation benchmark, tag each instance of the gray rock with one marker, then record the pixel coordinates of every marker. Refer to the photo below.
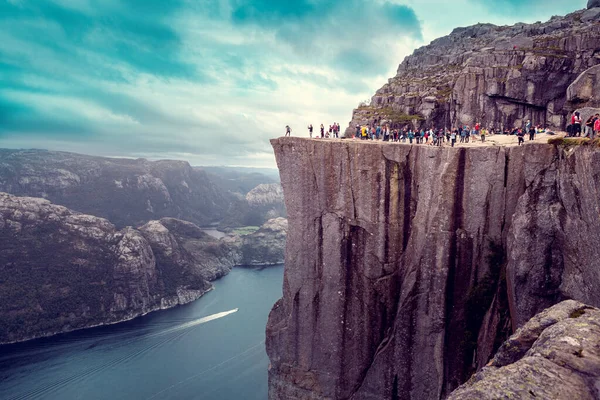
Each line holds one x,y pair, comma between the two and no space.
265,246
553,356
61,270
499,76
593,3
584,90
406,266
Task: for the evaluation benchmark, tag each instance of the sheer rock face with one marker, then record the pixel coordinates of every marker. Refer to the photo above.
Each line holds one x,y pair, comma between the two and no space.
406,263
553,356
127,192
497,75
61,270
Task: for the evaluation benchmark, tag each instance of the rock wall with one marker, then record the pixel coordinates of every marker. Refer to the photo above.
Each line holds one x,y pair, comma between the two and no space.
555,355
408,266
499,76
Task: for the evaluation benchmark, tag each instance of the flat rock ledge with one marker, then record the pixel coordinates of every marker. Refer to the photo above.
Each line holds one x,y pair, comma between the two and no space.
556,355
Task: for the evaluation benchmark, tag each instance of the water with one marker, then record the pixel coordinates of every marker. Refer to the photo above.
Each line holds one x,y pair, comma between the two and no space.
210,349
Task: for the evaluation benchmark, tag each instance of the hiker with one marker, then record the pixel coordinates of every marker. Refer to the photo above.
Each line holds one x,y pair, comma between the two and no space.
310,130
576,124
378,132
411,136
440,137
531,132
596,130
521,136
463,134
453,138
483,133
357,134
588,129
288,130
322,131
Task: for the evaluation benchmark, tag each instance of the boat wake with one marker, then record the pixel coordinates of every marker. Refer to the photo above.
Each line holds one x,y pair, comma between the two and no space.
166,335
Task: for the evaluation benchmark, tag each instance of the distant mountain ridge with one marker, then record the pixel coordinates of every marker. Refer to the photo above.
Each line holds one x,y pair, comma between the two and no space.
61,270
128,192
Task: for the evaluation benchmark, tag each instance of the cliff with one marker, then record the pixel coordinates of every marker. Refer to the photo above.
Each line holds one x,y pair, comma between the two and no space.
497,75
553,356
408,266
61,270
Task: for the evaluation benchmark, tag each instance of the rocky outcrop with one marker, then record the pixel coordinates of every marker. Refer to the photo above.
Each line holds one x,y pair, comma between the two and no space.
583,92
265,246
61,270
497,75
408,266
192,251
553,356
127,192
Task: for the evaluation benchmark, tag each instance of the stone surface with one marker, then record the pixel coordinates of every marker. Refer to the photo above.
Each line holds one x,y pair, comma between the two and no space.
593,3
265,246
556,355
408,266
61,270
584,90
499,76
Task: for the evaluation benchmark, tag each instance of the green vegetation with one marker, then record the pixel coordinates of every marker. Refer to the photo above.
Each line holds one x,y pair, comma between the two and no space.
444,93
397,116
245,230
572,142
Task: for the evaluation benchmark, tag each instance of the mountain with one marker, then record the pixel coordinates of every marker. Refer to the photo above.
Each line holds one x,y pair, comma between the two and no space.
61,270
241,180
129,192
408,266
499,76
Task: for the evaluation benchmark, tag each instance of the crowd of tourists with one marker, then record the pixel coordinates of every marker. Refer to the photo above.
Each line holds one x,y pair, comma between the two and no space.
432,136
439,137
333,131
591,128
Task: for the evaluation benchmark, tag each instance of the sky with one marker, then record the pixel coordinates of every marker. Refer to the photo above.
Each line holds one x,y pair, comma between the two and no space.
210,81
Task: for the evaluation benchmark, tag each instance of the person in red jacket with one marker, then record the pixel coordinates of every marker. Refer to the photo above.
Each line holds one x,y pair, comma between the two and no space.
576,124
596,127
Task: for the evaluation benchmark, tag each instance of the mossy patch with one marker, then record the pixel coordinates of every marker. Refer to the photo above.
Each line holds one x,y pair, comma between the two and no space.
572,142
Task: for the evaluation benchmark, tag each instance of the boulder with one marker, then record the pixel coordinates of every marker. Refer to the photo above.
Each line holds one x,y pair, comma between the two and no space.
553,356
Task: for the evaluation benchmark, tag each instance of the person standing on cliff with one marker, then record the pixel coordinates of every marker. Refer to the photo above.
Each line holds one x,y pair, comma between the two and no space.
483,133
288,130
322,131
453,137
521,136
576,124
596,130
531,131
310,130
588,129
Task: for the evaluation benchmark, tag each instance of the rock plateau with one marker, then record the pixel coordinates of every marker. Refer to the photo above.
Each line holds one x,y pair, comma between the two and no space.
408,266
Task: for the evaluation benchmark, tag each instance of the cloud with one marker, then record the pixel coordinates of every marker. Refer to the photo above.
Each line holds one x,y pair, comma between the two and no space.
209,81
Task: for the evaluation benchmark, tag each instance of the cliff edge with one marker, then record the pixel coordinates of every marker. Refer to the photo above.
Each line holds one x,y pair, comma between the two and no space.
408,266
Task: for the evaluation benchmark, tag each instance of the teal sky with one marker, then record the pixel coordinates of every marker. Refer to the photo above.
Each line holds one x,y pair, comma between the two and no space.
209,81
